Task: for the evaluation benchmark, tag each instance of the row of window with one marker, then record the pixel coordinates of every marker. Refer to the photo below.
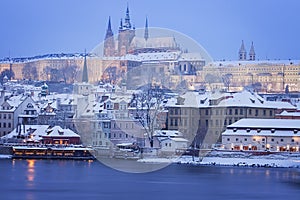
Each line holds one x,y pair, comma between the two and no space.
5,116
229,111
5,125
262,140
216,122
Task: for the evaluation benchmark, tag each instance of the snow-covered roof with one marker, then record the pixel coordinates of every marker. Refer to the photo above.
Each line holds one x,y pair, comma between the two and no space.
240,99
167,133
266,123
264,127
37,132
190,57
285,113
252,62
57,131
153,42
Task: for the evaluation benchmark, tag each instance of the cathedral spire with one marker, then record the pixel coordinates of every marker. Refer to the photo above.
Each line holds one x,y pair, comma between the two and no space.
85,70
109,32
252,52
146,34
127,23
242,52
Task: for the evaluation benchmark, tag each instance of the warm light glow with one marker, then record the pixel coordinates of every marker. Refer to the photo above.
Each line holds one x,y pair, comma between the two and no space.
30,171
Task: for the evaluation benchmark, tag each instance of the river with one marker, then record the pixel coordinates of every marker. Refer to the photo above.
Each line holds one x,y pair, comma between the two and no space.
63,179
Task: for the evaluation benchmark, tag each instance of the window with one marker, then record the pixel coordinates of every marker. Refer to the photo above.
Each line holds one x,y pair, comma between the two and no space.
4,125
236,111
256,112
281,140
176,122
272,139
293,140
254,139
241,111
4,116
228,139
263,139
250,111
264,112
236,139
230,111
245,139
271,113
9,125
206,112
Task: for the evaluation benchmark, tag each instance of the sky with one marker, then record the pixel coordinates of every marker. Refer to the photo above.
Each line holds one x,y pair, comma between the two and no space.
37,27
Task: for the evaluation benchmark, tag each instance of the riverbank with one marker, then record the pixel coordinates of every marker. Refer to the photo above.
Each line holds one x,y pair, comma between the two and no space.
284,160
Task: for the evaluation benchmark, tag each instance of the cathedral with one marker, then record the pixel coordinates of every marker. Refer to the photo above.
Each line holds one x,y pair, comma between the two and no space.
127,42
243,52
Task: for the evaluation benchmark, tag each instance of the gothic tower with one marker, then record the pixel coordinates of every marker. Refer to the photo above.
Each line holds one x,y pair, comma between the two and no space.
85,78
252,52
146,34
109,43
242,52
126,34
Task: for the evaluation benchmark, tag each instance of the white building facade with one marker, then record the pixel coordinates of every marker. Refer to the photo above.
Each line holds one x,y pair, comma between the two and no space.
274,135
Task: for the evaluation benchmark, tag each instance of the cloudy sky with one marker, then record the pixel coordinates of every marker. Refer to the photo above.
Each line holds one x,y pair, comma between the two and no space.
35,27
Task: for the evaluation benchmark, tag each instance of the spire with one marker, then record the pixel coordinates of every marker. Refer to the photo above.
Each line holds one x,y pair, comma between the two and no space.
242,52
252,52
121,24
127,23
146,34
85,70
109,32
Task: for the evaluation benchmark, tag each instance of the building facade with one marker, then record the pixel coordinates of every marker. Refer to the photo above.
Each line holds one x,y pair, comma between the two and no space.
274,135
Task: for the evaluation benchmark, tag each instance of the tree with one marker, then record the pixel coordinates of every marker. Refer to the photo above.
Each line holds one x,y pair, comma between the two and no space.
69,73
148,106
227,80
8,73
210,79
29,72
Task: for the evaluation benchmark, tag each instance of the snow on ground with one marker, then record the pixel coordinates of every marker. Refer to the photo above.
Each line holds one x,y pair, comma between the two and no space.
234,159
5,156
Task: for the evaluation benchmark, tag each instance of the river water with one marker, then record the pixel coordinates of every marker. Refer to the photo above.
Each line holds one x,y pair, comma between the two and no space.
63,179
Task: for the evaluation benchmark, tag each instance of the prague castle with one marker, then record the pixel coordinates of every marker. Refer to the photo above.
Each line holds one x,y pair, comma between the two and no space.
160,60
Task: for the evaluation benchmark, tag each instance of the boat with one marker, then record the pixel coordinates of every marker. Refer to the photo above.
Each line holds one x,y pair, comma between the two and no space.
52,152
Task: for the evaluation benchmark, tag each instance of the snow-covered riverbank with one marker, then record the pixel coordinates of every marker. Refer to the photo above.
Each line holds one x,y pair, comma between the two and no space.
5,156
234,159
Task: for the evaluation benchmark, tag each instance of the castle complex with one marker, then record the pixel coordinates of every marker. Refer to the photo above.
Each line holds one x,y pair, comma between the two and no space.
160,61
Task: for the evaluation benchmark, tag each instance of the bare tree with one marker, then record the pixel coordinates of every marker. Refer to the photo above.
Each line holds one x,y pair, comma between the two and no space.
8,73
29,72
69,73
148,106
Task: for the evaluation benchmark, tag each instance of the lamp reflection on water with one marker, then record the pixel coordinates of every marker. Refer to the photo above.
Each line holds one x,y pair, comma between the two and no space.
30,172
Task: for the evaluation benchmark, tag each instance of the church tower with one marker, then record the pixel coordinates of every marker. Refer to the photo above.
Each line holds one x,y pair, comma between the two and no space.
109,43
242,52
146,34
252,52
85,78
126,34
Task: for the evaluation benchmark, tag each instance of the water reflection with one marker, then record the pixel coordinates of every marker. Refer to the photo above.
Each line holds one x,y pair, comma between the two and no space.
30,173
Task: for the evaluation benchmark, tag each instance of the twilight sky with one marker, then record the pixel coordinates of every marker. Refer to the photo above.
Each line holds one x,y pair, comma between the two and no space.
35,27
